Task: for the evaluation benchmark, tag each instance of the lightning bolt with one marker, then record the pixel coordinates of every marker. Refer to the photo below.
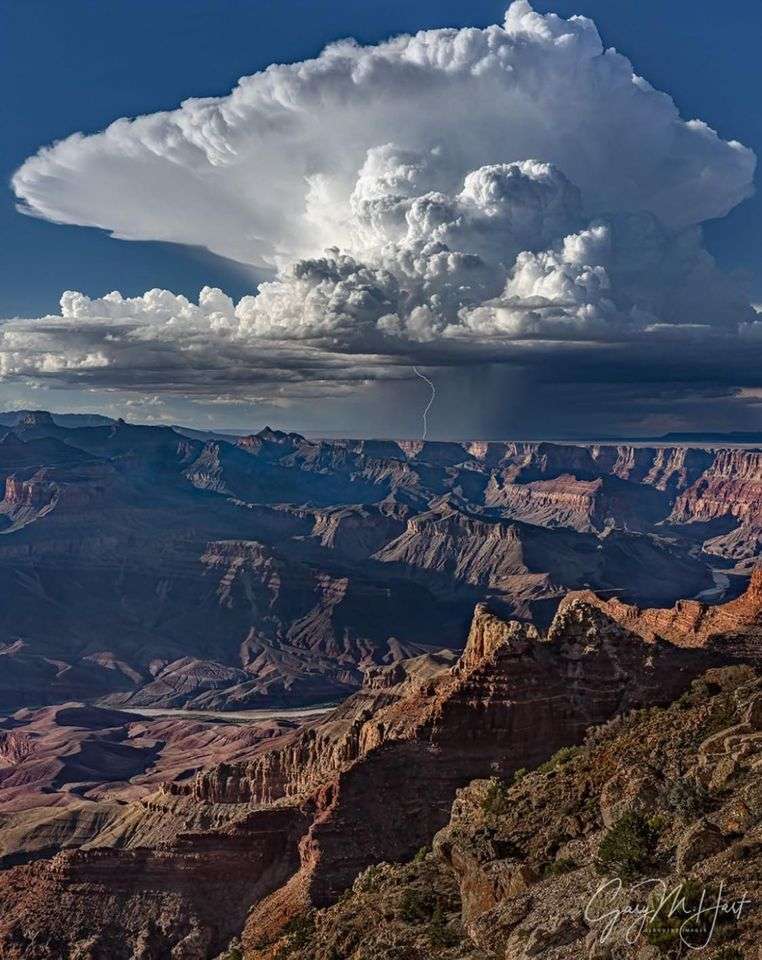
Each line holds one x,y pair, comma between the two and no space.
428,405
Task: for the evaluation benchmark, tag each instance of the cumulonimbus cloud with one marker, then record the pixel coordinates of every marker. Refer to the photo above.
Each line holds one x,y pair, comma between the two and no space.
450,197
268,171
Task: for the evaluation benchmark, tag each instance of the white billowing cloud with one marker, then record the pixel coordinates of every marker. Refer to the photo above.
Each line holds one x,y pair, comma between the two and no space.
268,173
501,209
165,343
333,296
457,196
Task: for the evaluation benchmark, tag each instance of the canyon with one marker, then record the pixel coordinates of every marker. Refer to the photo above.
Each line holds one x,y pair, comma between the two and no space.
273,570
239,673
246,847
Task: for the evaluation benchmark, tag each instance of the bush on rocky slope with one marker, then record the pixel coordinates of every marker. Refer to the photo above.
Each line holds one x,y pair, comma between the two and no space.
667,800
627,848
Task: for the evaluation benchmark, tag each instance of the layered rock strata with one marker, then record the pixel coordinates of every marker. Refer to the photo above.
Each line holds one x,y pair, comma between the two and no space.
373,781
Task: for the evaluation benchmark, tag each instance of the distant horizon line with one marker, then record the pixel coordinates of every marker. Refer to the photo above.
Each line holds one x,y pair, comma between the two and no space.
676,437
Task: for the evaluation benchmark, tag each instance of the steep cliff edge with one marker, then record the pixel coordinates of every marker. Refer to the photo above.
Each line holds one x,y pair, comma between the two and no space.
731,487
525,561
583,505
572,860
373,781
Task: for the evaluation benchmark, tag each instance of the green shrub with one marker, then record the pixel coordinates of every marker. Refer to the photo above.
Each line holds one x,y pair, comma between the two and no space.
559,758
440,935
656,823
495,801
368,880
565,754
299,932
234,953
604,732
421,855
519,775
627,848
684,701
417,906
688,798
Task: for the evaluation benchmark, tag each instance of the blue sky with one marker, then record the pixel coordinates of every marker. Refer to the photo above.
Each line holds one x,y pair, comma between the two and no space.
75,65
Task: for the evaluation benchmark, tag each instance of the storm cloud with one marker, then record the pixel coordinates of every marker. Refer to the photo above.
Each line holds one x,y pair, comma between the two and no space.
515,195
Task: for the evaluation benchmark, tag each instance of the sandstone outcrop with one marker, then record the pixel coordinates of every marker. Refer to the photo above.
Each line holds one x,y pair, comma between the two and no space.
452,545
693,624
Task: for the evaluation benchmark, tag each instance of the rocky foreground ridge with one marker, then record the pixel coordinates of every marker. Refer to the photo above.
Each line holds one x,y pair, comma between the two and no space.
603,852
251,848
